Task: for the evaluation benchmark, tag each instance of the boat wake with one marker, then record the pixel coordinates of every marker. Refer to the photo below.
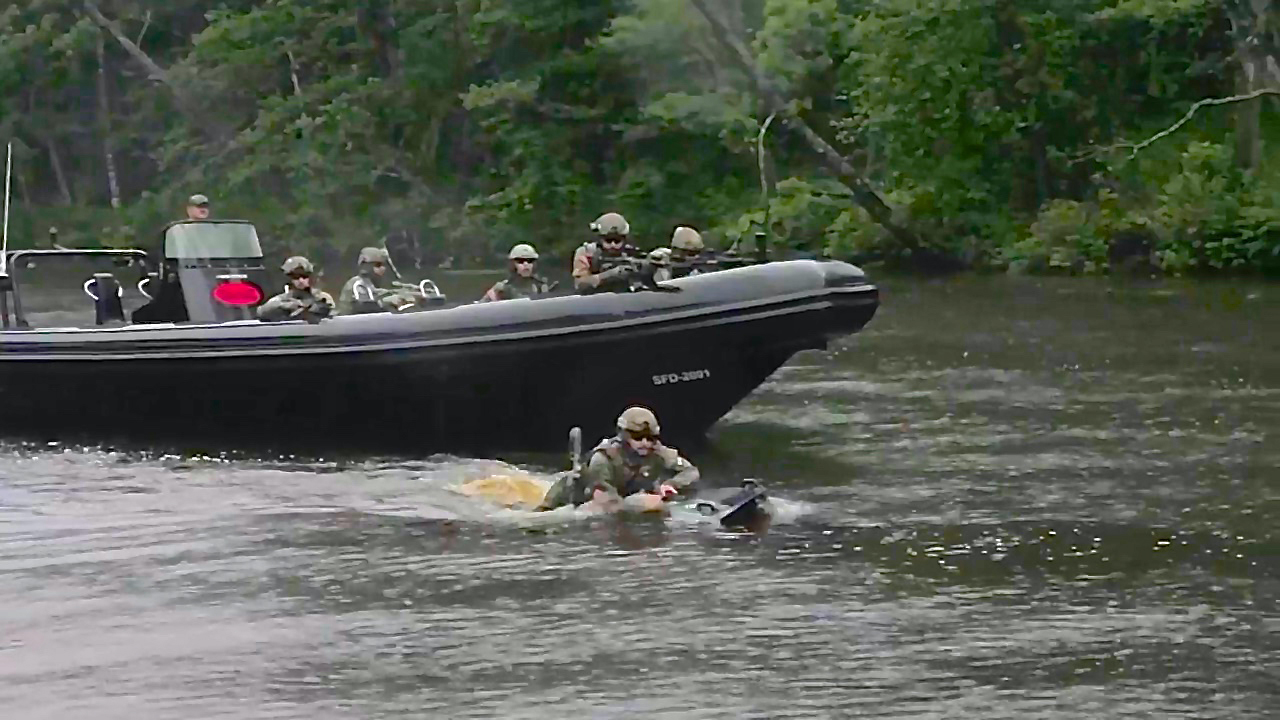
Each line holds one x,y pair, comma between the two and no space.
512,497
49,482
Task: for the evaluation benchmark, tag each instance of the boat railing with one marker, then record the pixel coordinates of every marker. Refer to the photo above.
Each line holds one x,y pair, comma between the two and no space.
11,310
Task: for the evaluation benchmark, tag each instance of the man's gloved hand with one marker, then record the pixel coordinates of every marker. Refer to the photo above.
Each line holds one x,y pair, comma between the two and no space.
397,301
617,273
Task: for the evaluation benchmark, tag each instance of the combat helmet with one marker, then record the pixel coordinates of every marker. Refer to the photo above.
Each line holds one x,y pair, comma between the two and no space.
523,251
687,239
611,224
298,265
637,419
372,255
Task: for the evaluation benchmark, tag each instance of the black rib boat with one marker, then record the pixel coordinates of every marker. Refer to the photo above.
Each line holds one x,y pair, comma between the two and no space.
468,378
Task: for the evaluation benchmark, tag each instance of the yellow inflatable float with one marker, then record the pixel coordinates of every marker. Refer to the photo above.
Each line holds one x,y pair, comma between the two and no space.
522,492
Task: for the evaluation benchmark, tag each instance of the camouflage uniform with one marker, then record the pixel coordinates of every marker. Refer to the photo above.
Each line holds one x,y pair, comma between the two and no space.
311,305
596,269
615,464
686,264
516,285
688,253
365,293
294,303
615,467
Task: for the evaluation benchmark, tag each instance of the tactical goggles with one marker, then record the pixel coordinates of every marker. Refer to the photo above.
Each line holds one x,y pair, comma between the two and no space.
299,276
613,239
640,435
524,261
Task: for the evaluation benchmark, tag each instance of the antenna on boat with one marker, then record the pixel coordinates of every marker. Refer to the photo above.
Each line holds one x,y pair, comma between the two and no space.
390,263
8,176
6,283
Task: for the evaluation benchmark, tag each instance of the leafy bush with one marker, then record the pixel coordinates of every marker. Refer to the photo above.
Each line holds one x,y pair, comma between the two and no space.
1212,215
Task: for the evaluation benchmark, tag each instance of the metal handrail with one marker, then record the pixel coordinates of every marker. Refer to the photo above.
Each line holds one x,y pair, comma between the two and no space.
10,286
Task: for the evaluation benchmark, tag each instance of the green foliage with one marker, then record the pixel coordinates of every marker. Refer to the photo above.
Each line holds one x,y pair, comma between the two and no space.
1205,214
1066,236
1213,216
473,124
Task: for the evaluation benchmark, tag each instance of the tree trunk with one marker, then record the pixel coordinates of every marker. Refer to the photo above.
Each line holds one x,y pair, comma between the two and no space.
375,20
24,191
1040,153
1252,34
55,161
431,142
104,123
1248,119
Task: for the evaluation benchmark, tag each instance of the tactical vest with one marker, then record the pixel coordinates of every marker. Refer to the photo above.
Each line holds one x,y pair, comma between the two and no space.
518,287
642,477
600,263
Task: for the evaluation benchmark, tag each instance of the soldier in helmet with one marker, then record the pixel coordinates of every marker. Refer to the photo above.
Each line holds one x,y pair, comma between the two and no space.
299,301
634,461
603,266
520,281
688,252
368,291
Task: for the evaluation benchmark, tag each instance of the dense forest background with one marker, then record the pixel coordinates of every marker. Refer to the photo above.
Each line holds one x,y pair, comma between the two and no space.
1040,135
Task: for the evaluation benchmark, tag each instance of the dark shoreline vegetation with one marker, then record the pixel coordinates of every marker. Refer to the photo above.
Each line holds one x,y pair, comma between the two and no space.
1041,136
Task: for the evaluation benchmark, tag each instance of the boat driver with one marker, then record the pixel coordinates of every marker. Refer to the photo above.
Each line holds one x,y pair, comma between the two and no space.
299,301
368,291
197,207
603,265
633,462
521,282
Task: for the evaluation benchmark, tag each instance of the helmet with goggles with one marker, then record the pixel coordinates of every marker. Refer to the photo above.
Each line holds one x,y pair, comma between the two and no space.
611,225
523,251
298,266
371,255
638,421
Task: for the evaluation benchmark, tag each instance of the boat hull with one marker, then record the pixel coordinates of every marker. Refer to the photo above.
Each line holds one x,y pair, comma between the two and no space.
473,379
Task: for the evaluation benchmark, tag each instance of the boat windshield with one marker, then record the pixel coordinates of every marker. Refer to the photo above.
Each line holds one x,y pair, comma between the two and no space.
216,240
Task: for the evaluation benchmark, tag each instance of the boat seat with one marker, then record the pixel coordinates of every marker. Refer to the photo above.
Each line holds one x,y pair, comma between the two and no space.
106,293
168,304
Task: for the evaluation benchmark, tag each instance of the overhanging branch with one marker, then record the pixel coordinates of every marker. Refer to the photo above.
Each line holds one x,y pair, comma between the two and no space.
864,195
154,71
1135,148
184,100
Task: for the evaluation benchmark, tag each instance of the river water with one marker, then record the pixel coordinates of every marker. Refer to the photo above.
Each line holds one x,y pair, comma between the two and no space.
1006,498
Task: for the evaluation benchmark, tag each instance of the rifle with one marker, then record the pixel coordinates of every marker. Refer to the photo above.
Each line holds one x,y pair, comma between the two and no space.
297,314
424,294
578,494
642,271
575,450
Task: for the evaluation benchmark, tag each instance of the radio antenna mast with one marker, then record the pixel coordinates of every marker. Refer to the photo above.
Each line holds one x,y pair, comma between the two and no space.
8,176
